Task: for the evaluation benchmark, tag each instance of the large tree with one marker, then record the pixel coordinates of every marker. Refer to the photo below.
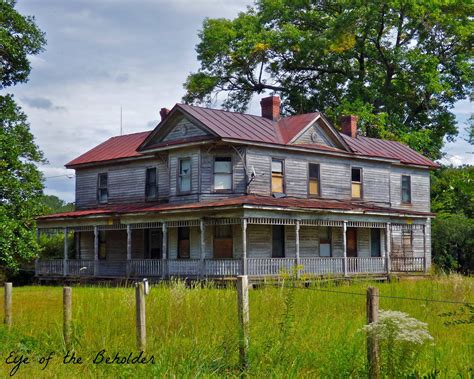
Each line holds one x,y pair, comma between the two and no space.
399,65
20,180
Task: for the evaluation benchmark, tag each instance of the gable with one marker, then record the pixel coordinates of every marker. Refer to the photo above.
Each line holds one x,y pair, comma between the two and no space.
316,133
184,129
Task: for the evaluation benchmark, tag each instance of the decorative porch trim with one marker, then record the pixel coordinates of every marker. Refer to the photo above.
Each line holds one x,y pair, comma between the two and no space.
146,225
366,224
178,224
223,221
407,226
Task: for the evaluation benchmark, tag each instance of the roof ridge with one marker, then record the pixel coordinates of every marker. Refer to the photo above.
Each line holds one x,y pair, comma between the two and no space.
226,111
130,134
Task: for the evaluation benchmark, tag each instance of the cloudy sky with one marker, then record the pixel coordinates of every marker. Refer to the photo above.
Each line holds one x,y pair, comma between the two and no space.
107,54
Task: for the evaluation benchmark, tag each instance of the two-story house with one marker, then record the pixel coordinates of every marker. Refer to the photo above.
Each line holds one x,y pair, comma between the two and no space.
216,193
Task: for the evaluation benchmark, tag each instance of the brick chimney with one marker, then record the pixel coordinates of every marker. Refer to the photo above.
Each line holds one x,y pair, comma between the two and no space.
349,125
271,107
163,113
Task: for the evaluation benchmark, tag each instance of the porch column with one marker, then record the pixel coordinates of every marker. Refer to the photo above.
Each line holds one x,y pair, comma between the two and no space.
388,241
297,247
244,247
129,248
96,250
164,266
203,248
65,252
425,251
344,246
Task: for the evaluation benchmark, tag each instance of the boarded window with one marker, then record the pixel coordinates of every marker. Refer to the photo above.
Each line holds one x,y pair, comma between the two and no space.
406,189
151,188
102,191
356,180
325,241
102,245
313,171
223,174
375,242
184,184
183,243
278,241
277,176
223,238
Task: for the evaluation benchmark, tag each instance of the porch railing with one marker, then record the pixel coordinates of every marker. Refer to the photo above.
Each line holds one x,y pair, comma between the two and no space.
224,267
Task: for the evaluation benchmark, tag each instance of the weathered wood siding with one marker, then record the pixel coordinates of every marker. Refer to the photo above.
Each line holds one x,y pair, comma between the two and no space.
315,134
174,156
184,129
420,188
115,245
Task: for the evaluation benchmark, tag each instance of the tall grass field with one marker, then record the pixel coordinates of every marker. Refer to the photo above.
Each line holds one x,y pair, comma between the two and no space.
193,331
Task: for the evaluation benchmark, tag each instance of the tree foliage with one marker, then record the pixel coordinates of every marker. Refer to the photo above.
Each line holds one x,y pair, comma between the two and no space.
399,65
20,180
54,204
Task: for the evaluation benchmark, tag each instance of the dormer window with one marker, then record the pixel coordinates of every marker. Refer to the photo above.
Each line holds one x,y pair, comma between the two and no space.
184,175
102,191
277,176
222,174
151,187
356,180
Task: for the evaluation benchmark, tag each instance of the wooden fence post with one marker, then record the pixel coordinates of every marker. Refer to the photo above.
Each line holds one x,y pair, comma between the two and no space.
8,305
141,317
372,343
67,317
243,314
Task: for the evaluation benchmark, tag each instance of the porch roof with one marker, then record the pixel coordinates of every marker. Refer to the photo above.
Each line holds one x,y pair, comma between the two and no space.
287,203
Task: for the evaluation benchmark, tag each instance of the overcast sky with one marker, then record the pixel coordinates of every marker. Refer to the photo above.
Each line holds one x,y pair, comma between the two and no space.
107,54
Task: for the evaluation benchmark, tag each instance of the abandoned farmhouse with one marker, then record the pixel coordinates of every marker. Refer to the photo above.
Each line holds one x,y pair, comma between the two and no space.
211,193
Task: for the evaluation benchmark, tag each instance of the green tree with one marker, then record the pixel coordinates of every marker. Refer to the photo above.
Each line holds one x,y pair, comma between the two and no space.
399,65
20,180
54,204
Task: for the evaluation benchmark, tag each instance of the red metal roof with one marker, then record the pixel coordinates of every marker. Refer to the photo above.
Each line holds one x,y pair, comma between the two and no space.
290,126
374,147
267,201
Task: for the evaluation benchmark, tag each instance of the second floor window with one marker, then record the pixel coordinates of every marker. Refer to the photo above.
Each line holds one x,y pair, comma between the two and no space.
313,181
184,179
151,187
277,176
102,191
406,189
223,174
356,183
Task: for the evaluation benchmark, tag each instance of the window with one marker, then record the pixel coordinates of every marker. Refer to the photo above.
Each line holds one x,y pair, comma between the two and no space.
102,192
223,241
151,188
184,180
277,176
313,183
223,174
278,241
406,189
102,245
325,241
356,180
183,242
375,242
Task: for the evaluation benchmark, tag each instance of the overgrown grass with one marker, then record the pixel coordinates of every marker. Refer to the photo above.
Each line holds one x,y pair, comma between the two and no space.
295,332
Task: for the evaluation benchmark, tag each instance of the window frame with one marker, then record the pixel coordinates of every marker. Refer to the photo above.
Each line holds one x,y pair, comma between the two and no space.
361,182
283,185
178,176
101,188
319,179
409,189
231,189
147,185
379,231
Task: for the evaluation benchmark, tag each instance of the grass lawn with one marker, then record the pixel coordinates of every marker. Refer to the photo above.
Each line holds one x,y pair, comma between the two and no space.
193,331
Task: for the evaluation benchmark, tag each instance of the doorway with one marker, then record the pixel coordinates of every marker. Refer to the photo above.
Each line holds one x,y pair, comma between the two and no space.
351,238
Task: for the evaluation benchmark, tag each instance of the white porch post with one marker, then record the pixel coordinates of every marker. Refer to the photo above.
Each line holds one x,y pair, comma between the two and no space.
65,252
203,248
96,250
388,241
344,246
164,266
244,247
129,248
425,251
297,247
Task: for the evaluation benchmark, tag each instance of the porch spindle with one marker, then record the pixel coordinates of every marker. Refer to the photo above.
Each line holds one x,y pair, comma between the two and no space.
65,252
425,253
297,247
344,244
96,250
244,246
164,266
129,248
388,241
203,248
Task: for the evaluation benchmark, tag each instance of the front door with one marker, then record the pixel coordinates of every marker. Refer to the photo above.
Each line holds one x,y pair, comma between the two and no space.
278,241
155,244
223,238
351,242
